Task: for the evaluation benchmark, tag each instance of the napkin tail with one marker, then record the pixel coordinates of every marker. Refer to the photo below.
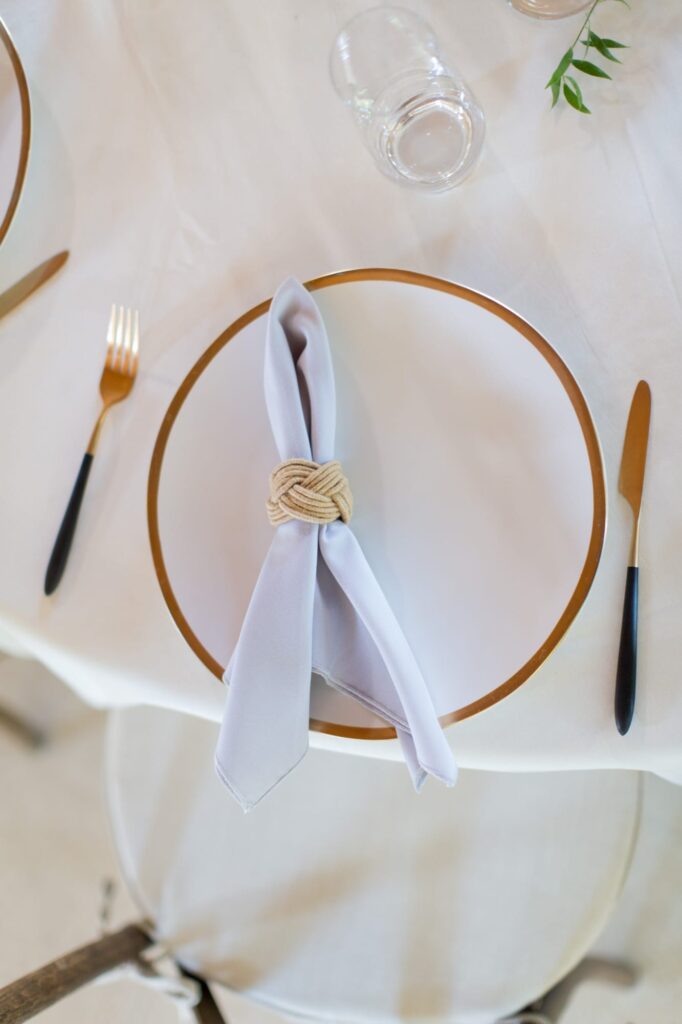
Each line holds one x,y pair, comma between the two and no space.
247,803
264,733
417,773
428,750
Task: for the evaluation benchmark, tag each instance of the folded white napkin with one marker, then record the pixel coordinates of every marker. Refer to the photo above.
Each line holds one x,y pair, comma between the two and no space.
316,605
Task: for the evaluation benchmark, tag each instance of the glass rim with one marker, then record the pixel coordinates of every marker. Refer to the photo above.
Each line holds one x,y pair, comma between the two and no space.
383,9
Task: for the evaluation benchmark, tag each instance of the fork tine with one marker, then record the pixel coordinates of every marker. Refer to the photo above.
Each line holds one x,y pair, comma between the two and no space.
111,329
135,351
118,347
125,356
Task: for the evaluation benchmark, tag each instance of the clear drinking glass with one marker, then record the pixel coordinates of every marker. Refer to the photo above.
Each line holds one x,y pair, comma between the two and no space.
419,120
550,8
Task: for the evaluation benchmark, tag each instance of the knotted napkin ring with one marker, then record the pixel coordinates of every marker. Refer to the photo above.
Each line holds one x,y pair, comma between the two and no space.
314,493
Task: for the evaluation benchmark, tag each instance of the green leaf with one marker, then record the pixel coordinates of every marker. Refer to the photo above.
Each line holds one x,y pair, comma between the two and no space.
588,68
562,66
556,90
576,88
613,44
605,52
594,40
574,100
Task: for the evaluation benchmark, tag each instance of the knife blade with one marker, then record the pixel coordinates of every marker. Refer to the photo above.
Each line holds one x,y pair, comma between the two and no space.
631,485
633,462
28,284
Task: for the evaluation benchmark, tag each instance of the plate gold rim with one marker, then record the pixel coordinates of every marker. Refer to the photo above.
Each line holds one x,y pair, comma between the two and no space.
590,438
25,100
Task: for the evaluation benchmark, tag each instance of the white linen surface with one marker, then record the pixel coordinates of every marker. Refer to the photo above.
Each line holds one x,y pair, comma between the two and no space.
190,164
316,602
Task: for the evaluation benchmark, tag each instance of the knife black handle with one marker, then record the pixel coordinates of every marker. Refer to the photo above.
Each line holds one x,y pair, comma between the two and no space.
62,545
626,675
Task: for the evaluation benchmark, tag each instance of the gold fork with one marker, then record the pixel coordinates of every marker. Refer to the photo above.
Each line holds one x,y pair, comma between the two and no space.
116,382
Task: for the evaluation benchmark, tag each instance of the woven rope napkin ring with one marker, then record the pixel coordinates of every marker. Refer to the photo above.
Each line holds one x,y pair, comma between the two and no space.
301,489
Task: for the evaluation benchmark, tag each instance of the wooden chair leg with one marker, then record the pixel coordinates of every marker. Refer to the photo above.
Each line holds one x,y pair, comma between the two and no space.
23,730
24,998
206,1011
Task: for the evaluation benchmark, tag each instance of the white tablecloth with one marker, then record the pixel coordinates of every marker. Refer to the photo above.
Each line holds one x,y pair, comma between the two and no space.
191,158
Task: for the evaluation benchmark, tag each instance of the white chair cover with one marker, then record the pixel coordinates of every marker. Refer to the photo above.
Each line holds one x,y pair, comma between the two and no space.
345,897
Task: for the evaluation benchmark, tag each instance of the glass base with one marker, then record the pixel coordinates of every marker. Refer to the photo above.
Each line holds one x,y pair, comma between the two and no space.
550,8
433,138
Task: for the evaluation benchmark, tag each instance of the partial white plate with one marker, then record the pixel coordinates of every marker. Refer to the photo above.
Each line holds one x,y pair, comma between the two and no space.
15,129
476,473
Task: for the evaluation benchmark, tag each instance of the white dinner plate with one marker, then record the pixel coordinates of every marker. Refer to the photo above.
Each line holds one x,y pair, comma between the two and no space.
476,474
15,129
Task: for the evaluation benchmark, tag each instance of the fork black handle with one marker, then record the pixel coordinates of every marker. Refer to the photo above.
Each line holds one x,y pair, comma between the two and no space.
62,545
626,675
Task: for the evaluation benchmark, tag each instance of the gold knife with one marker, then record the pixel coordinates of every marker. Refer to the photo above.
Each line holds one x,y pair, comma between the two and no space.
27,285
630,485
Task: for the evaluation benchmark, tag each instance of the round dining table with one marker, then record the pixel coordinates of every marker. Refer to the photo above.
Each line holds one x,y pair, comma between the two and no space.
190,158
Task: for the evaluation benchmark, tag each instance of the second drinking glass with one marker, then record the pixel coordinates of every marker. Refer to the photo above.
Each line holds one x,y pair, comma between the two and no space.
419,120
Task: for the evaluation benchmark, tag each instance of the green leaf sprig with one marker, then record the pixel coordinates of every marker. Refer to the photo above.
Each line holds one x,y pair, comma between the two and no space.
561,82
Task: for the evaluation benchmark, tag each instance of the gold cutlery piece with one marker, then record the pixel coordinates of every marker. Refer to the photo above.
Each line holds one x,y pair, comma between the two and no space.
630,485
116,382
28,284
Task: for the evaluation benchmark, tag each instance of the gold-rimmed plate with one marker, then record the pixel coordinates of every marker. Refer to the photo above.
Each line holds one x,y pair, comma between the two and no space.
476,471
15,129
